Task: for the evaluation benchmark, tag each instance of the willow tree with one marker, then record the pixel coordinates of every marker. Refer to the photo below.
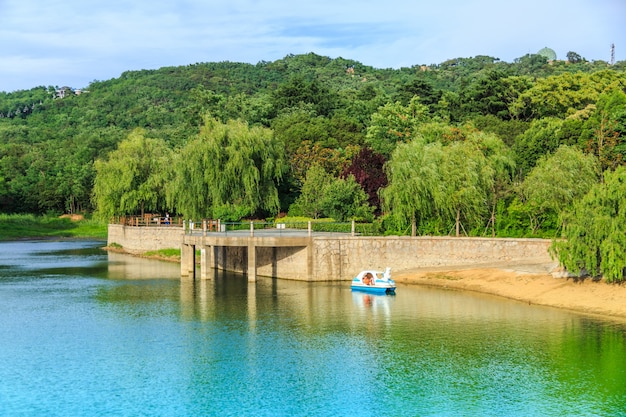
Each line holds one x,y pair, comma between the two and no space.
593,234
414,182
131,180
467,179
501,165
556,182
229,171
451,184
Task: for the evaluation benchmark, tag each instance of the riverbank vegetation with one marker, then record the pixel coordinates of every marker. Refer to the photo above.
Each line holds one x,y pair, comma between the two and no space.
472,146
29,226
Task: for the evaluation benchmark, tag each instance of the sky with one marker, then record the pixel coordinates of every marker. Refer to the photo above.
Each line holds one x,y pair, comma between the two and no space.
74,42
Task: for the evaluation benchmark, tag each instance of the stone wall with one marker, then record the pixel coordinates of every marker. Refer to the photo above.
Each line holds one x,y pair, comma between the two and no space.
343,258
340,257
143,239
284,262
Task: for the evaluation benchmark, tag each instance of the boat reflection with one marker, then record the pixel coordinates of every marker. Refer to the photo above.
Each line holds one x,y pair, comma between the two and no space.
379,304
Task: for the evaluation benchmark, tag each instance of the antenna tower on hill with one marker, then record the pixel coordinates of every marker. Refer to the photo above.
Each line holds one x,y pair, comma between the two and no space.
612,53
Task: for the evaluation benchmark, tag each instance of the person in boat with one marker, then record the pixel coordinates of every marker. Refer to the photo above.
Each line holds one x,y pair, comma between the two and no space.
368,280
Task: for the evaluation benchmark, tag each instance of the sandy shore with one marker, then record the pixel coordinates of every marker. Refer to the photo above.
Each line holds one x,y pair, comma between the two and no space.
531,283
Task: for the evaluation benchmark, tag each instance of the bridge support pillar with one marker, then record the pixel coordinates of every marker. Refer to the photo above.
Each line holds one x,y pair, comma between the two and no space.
251,262
188,261
206,262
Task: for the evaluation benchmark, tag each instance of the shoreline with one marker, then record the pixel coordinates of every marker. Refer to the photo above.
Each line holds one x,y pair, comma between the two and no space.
532,284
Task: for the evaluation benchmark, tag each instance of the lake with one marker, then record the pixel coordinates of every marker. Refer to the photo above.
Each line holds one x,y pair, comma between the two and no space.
90,333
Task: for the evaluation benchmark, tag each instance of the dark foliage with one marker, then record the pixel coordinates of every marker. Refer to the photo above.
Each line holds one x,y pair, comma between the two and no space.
368,172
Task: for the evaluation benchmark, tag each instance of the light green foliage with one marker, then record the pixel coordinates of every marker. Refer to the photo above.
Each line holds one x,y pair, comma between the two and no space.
301,124
309,203
344,199
414,182
556,182
467,179
132,179
228,171
451,183
563,94
593,232
325,196
541,138
394,123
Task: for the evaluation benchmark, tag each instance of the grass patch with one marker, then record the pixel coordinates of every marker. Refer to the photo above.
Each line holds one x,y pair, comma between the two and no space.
167,254
26,226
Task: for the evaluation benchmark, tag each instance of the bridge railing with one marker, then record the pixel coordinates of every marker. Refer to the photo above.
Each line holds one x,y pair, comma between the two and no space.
278,228
148,220
206,226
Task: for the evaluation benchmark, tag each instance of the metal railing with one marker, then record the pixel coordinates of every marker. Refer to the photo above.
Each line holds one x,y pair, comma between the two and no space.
275,228
148,220
278,228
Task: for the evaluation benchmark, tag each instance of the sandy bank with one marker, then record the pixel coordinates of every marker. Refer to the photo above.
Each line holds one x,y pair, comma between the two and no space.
532,283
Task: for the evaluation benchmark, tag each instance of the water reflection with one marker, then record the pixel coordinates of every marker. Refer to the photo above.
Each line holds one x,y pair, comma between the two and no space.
124,266
91,340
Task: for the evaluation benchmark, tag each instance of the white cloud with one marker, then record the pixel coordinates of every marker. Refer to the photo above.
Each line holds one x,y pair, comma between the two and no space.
73,42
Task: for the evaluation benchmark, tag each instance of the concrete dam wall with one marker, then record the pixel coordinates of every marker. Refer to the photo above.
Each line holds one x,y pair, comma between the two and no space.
327,258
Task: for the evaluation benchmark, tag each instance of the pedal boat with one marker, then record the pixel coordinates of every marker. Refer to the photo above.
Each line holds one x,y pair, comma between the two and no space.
374,282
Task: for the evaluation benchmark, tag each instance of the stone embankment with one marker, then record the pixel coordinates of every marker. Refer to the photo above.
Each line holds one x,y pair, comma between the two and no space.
340,256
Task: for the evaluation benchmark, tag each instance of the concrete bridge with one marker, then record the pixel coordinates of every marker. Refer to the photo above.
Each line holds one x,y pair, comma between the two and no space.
249,251
322,256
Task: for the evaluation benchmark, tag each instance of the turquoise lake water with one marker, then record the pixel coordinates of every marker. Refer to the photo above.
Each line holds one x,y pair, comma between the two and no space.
89,333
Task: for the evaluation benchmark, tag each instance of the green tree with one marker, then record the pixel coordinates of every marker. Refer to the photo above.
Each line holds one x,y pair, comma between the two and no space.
593,230
449,184
414,183
311,199
297,125
132,179
541,138
344,199
501,169
574,58
604,133
298,90
393,124
563,94
229,171
467,179
325,196
556,182
492,92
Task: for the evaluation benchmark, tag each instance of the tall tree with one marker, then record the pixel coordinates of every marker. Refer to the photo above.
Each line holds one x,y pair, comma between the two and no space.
604,133
593,233
449,184
344,199
229,171
414,183
311,198
131,180
393,124
556,182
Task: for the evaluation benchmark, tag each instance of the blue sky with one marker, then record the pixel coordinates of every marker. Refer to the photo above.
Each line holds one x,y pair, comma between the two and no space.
74,42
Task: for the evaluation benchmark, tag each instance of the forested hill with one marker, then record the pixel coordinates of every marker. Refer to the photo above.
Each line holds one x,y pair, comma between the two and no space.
330,108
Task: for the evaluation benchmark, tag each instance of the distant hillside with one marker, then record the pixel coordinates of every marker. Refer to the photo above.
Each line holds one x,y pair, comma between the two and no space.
49,136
